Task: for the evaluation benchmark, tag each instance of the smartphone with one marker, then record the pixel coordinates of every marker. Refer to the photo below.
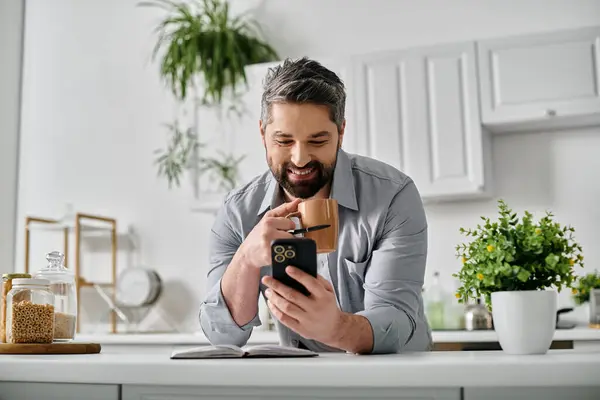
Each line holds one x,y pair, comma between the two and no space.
297,252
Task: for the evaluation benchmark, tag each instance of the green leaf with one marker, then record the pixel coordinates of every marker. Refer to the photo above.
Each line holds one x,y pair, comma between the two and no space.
552,260
523,275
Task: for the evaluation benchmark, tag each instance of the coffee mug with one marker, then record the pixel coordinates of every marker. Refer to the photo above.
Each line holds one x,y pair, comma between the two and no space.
319,212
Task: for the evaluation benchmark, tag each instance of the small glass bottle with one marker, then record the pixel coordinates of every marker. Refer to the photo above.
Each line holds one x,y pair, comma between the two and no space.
30,312
63,286
438,303
435,301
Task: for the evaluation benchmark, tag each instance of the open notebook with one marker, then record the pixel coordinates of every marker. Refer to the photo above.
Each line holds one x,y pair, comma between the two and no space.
231,351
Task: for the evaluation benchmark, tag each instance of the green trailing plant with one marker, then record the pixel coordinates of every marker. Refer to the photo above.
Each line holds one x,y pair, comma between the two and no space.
225,170
178,155
514,253
585,284
203,38
203,51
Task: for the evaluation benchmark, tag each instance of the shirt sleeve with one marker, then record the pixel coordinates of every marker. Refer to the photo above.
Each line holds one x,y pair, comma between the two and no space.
395,276
215,318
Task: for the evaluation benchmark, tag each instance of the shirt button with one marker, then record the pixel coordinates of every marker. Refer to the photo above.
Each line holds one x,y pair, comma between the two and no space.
295,342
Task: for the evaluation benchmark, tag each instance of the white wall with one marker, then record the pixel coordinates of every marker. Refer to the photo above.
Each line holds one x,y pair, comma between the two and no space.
11,44
93,105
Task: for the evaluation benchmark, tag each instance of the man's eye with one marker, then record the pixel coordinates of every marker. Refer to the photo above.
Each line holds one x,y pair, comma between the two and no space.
283,142
318,142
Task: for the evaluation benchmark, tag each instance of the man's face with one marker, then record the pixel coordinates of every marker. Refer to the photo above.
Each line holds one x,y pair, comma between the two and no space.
301,144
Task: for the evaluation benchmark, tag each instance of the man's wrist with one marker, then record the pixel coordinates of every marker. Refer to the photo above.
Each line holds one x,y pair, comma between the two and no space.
353,333
339,331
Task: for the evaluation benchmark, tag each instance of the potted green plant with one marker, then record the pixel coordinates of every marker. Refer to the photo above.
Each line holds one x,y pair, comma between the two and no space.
584,285
203,51
582,294
518,265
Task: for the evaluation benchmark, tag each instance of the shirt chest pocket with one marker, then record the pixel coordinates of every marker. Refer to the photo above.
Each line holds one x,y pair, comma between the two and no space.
356,270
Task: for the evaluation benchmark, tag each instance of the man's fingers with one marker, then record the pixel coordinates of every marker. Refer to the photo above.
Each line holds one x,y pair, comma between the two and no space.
326,284
284,209
308,281
283,317
285,306
282,223
286,292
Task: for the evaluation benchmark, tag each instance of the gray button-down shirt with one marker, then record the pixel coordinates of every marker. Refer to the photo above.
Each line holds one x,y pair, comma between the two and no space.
377,271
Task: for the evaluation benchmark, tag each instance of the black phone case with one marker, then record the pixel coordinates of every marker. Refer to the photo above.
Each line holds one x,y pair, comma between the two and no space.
297,252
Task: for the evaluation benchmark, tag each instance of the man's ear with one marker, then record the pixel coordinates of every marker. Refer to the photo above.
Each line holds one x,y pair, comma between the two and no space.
341,134
262,128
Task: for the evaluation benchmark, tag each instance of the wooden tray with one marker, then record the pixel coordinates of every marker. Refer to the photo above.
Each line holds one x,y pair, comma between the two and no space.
51,348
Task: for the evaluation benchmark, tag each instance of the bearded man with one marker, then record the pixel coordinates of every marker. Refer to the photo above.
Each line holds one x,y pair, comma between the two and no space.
367,298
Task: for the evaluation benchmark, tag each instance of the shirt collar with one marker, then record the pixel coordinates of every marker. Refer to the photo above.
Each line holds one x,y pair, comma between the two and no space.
343,187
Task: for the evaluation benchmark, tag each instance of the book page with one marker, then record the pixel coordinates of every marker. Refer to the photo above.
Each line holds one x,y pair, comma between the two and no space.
272,350
220,351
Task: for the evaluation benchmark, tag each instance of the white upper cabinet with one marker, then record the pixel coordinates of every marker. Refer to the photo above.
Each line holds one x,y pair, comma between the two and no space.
549,79
418,110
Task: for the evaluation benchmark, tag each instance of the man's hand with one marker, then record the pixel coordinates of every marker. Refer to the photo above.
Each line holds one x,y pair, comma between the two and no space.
256,248
240,282
314,317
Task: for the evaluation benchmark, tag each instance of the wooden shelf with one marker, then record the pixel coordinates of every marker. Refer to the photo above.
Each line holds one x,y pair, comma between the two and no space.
86,223
85,283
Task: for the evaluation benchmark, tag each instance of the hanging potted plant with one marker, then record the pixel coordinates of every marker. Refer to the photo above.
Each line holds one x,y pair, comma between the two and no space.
518,266
203,51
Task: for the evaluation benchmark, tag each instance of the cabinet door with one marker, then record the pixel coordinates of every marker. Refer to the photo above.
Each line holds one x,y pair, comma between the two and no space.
526,393
452,152
541,77
134,392
421,115
57,391
383,106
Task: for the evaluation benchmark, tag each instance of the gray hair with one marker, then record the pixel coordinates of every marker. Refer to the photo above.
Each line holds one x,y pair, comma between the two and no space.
304,81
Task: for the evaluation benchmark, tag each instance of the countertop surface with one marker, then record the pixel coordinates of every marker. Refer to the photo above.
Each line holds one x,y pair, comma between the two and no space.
429,369
262,337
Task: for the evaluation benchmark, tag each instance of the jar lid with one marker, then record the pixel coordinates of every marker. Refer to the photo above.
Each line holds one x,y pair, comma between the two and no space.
55,259
15,275
31,281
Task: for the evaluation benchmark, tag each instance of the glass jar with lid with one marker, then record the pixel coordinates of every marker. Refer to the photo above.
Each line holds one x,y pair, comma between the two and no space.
6,286
63,286
30,311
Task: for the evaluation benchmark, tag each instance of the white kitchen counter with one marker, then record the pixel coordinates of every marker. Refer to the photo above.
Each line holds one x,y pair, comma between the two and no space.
478,375
430,369
263,337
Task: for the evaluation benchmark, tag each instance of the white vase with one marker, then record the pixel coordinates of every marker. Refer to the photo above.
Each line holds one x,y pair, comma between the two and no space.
525,321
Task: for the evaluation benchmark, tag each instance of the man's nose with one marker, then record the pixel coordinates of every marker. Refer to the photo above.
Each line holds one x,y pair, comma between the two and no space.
300,156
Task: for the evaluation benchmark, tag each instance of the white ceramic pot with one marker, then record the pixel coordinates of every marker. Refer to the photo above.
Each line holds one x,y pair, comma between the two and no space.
525,321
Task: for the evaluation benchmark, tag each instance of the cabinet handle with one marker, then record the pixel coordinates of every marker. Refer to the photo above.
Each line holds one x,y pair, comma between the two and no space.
550,113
